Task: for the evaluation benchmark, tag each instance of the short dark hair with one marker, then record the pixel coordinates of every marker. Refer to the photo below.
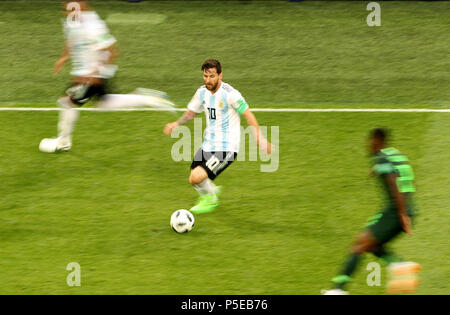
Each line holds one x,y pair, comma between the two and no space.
212,63
380,134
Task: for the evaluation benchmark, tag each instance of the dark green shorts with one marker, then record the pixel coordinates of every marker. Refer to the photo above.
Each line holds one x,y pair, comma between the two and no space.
385,225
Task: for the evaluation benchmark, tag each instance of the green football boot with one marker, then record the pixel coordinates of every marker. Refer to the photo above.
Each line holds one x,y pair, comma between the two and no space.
207,203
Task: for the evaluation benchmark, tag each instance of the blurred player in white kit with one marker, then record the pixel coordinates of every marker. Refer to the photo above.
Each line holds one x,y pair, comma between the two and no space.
92,50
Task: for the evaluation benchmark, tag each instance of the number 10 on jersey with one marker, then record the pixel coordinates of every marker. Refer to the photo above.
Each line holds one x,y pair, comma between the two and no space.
212,113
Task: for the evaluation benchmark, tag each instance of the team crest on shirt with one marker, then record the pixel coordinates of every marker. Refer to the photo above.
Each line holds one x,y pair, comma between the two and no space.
221,105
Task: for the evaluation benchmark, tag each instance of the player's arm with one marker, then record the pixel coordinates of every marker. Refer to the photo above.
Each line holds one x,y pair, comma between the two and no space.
400,202
260,140
113,52
59,65
187,116
108,68
105,45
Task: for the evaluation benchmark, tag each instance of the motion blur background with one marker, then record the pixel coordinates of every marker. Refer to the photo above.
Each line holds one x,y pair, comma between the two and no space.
107,203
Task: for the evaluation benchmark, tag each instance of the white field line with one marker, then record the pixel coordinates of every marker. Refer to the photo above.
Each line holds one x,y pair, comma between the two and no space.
391,110
395,110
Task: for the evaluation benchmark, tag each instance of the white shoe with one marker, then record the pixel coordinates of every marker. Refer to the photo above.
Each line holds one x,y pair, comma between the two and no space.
157,99
51,145
48,145
64,143
334,292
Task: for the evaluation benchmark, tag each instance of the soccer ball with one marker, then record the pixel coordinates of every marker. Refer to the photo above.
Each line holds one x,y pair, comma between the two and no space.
182,221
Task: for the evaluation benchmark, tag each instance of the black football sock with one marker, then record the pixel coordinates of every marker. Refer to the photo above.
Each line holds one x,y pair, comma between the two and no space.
349,268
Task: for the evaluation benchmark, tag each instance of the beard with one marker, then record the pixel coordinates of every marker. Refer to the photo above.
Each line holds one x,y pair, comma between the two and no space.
211,87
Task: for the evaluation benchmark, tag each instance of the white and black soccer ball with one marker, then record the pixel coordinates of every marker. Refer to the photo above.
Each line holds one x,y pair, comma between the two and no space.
182,221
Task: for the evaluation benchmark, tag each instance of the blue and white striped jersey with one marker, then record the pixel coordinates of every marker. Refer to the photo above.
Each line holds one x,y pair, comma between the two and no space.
223,123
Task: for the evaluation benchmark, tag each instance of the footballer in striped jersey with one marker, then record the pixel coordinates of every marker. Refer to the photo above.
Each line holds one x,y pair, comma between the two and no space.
223,107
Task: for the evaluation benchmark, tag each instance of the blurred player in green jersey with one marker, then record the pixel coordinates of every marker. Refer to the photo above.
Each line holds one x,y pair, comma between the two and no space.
397,178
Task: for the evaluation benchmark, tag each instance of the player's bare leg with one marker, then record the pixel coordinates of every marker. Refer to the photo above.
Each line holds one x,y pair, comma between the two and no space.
197,176
208,191
365,243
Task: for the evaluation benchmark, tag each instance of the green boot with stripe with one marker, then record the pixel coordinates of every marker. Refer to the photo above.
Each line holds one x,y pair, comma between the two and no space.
207,203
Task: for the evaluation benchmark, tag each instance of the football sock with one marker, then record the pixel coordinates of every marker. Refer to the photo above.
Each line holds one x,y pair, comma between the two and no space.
118,101
385,255
207,187
349,268
200,190
67,118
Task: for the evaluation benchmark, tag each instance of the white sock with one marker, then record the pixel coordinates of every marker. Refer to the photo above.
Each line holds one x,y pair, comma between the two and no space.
207,187
200,190
118,101
68,116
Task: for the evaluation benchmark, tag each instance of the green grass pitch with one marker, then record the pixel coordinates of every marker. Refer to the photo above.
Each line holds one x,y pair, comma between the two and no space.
106,204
